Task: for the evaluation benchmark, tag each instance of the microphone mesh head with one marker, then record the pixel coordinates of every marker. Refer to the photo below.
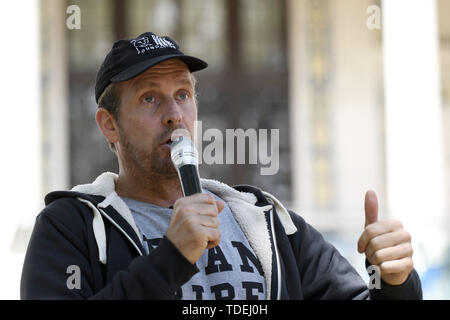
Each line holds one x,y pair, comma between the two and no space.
183,151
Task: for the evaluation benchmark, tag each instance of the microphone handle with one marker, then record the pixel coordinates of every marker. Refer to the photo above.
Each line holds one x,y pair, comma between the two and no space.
190,180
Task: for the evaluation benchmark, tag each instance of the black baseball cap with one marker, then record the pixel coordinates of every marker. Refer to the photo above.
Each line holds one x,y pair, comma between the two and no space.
130,57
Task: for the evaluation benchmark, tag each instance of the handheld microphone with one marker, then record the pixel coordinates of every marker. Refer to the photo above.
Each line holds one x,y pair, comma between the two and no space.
185,159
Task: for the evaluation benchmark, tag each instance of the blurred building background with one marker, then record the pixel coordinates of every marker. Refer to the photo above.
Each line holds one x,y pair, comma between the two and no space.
361,98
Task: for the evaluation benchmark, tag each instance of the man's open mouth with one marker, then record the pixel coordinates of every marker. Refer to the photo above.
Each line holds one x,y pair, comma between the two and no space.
168,141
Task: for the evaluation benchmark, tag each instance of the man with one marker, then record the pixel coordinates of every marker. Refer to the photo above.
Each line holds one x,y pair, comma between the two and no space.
134,235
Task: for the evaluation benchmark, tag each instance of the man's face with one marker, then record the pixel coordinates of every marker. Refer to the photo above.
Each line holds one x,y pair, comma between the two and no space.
153,105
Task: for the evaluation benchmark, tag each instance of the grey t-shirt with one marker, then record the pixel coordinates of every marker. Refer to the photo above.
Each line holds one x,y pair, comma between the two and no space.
228,271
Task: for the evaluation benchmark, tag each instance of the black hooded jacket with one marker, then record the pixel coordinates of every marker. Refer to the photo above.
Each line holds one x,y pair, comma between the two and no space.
88,232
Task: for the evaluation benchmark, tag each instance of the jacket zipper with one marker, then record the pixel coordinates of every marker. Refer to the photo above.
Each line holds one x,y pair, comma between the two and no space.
272,226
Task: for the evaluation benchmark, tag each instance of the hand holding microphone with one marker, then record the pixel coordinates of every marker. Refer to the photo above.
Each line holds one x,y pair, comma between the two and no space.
194,225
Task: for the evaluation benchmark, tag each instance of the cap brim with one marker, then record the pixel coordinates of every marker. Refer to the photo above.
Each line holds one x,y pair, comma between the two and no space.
193,64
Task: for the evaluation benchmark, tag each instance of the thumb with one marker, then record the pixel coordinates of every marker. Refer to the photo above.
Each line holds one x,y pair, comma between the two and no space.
371,207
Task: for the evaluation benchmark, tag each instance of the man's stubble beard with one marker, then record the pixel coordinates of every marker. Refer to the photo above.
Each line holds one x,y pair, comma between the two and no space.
148,163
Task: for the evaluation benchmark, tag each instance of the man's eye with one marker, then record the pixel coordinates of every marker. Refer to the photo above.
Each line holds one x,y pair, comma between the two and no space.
149,99
183,96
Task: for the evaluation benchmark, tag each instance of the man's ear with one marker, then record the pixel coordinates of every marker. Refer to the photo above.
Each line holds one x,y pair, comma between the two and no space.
107,125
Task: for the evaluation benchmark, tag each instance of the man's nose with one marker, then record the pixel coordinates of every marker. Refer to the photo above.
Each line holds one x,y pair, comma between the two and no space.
172,115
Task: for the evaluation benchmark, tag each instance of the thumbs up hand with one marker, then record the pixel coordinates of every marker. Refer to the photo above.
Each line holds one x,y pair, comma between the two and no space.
386,244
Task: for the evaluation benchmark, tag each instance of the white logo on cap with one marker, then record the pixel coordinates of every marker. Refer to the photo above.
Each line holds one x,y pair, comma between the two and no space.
144,44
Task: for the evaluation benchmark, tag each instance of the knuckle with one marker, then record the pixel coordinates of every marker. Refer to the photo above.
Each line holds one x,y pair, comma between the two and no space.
374,244
377,257
406,235
212,211
370,231
398,224
410,264
407,250
384,267
369,250
410,250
